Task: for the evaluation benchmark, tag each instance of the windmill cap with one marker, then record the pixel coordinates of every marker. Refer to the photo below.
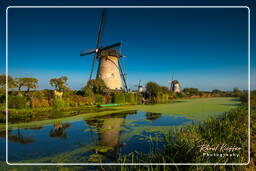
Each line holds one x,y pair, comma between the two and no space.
110,52
175,81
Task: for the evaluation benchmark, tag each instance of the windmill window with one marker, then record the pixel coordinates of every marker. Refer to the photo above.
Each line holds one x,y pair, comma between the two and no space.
112,75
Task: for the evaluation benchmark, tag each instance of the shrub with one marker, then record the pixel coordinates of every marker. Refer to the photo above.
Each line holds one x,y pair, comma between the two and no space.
131,98
79,100
17,102
179,95
87,91
99,99
191,91
2,98
163,97
118,98
57,103
36,102
108,99
97,86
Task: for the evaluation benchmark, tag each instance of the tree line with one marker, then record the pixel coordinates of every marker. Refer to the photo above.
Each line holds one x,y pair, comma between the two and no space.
93,92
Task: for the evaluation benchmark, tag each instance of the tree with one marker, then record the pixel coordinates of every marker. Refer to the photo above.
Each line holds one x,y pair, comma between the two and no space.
165,90
28,82
216,91
153,89
87,91
236,92
97,86
19,82
59,83
191,91
11,83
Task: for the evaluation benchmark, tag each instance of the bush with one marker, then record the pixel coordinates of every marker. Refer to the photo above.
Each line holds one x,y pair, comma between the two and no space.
79,100
118,98
179,95
17,102
131,98
191,91
163,97
57,103
2,98
87,92
36,102
99,99
108,99
97,86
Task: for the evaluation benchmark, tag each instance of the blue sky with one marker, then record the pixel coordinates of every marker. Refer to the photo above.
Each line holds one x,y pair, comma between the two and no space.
205,48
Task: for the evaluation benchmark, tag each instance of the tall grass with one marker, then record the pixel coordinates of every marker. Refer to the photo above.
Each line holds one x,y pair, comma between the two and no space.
230,129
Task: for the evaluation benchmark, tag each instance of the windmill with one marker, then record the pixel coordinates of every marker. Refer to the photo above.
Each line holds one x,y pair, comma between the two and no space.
140,87
175,85
108,58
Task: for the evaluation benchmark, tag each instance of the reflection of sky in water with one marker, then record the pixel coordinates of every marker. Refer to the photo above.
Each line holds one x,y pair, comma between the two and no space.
45,145
79,133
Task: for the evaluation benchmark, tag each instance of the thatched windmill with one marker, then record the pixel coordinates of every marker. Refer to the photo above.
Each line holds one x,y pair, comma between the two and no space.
109,61
175,85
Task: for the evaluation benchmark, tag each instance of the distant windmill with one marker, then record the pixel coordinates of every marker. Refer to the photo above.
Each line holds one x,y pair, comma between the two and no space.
109,64
175,85
140,87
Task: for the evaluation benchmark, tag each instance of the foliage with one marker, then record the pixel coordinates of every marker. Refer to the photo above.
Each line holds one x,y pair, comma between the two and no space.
39,94
191,91
17,102
119,98
77,100
37,102
59,83
163,97
152,89
131,98
178,95
67,92
58,103
236,92
216,92
99,99
164,90
87,91
11,83
230,128
2,98
26,82
97,86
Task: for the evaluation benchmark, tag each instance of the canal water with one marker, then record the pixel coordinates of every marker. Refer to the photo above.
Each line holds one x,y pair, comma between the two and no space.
92,140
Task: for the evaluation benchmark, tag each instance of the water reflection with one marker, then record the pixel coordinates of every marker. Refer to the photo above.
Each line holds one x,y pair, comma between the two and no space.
109,129
18,137
34,128
103,137
59,130
152,116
